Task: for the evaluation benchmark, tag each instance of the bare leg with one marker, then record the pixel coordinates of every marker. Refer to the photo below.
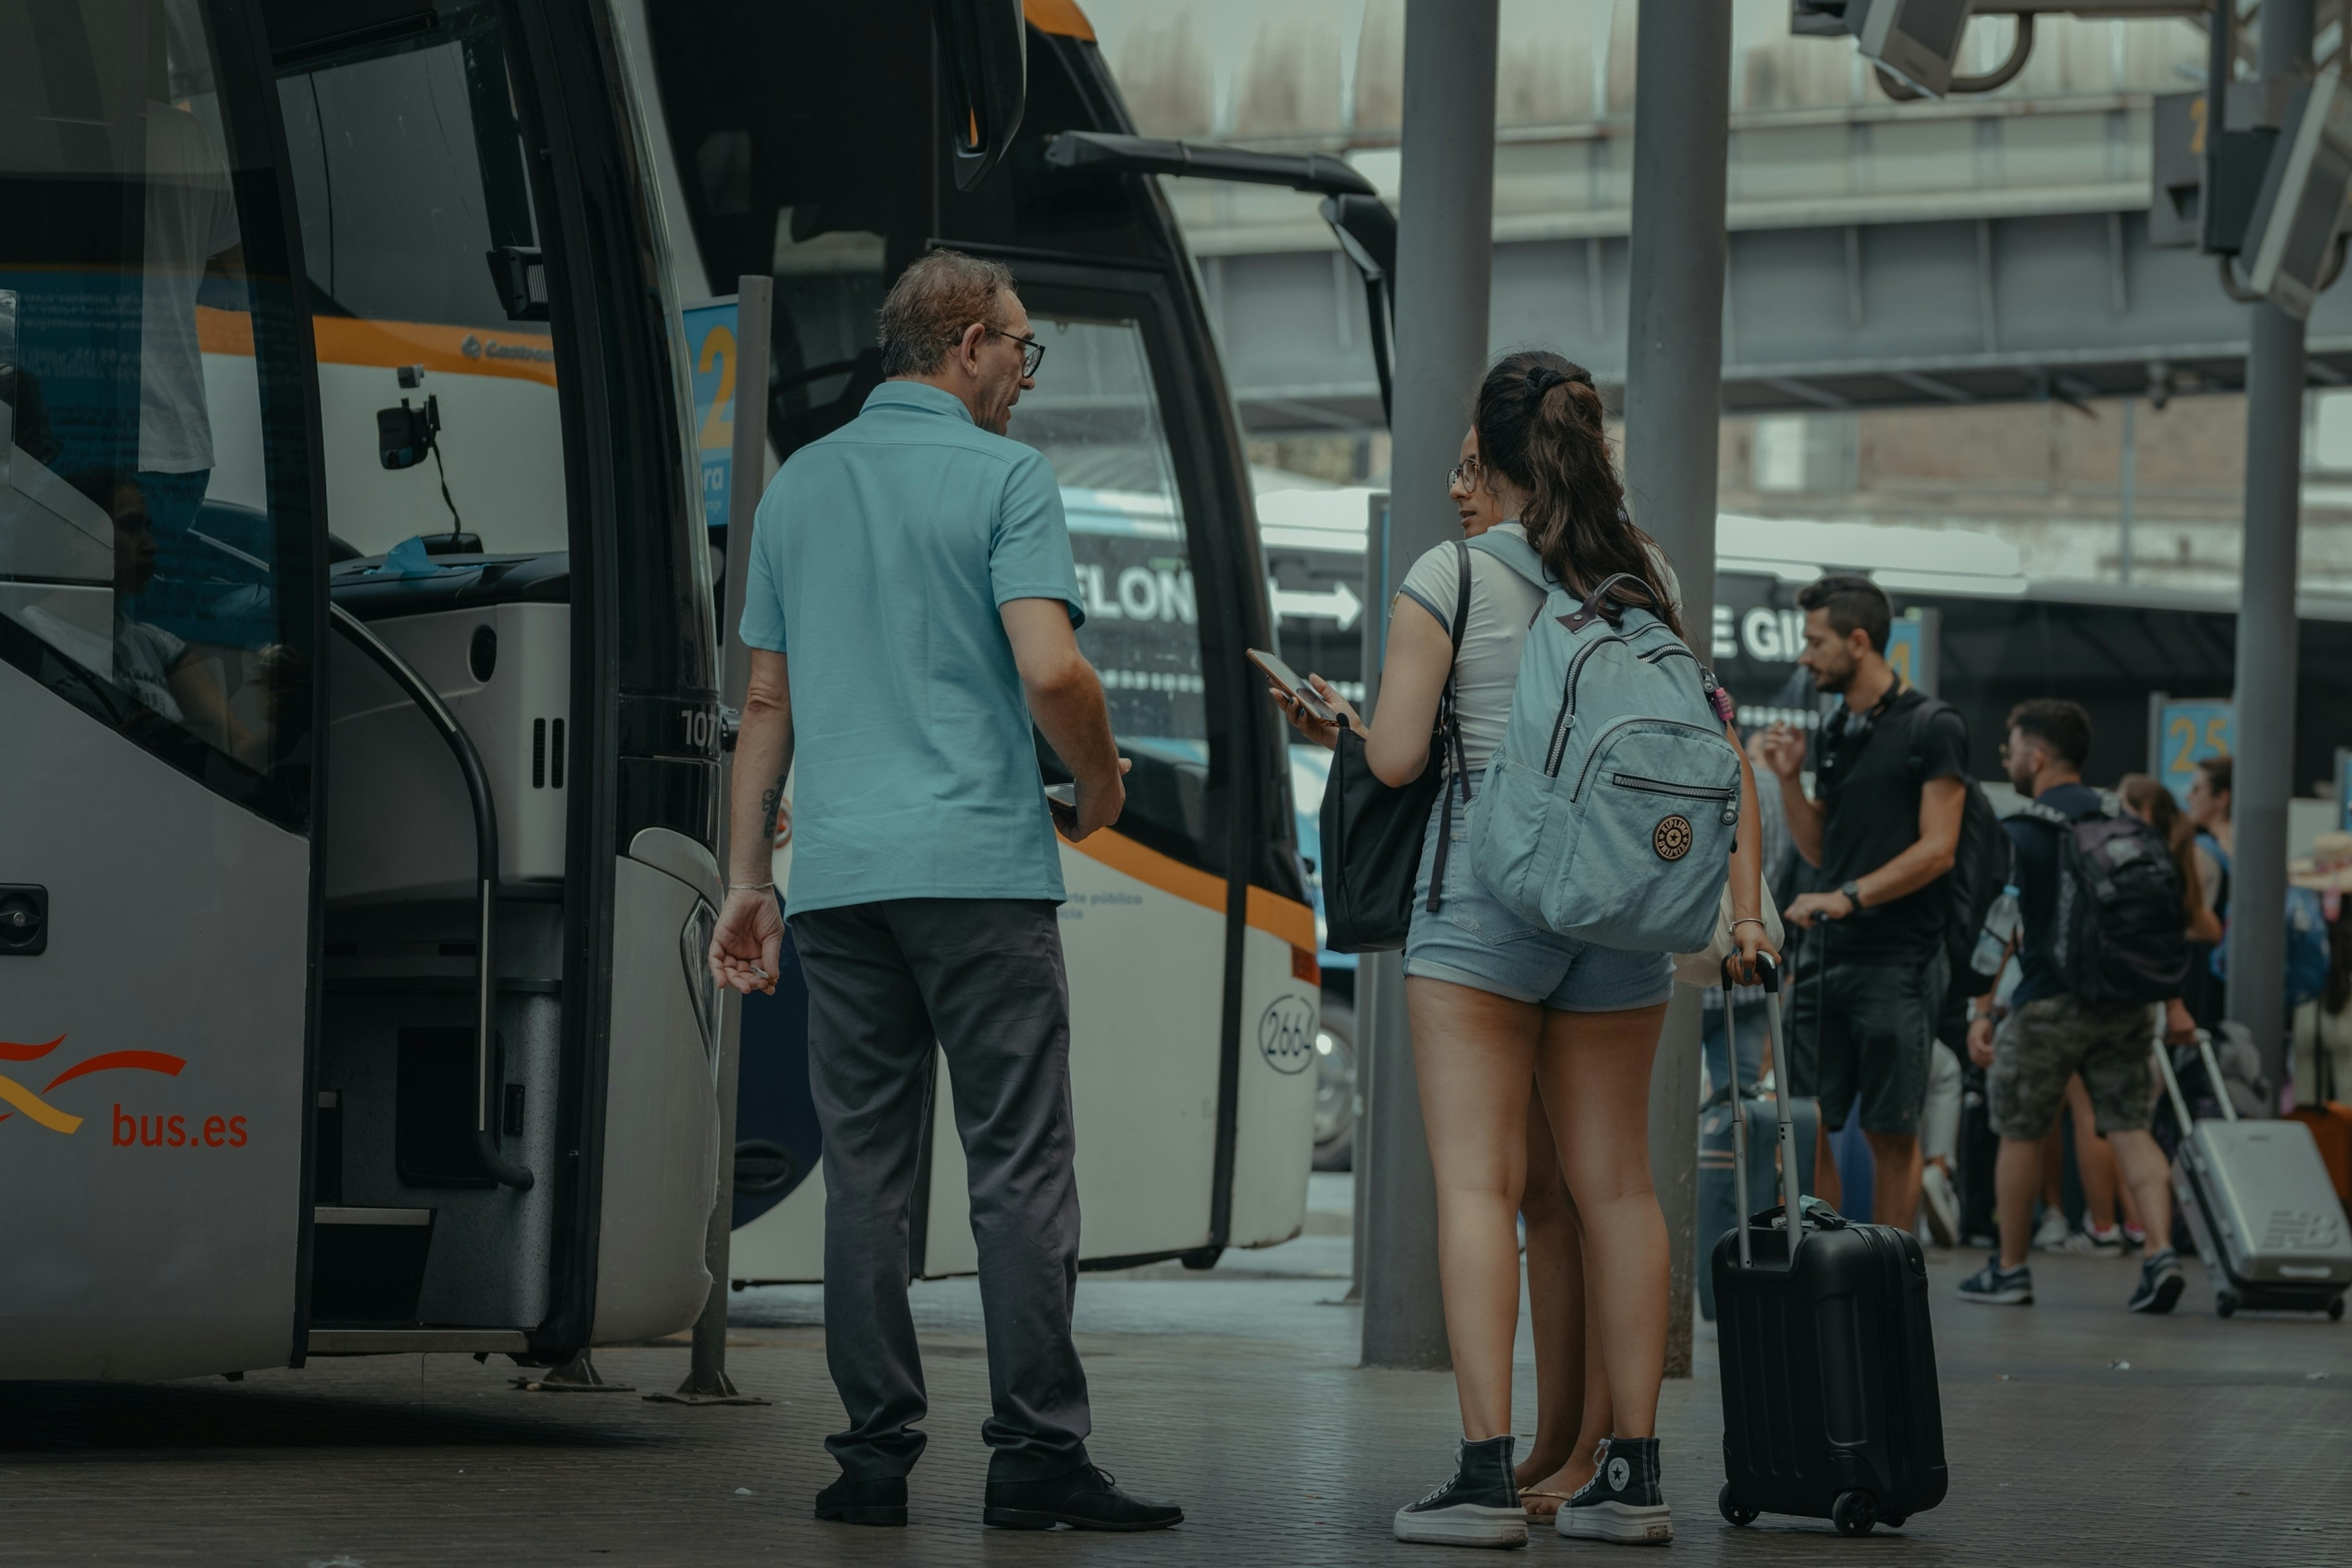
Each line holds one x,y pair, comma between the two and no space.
1569,1375
2147,1178
1595,1069
1555,1303
1474,1053
1826,1186
2053,1169
1895,1187
2014,1176
2094,1161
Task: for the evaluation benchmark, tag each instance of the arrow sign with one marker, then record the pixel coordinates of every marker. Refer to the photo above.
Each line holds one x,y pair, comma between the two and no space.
1340,605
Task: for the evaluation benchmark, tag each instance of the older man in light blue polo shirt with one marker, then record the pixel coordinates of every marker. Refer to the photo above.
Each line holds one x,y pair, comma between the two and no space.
911,606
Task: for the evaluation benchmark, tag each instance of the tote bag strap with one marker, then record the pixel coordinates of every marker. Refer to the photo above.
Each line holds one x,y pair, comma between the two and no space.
1448,738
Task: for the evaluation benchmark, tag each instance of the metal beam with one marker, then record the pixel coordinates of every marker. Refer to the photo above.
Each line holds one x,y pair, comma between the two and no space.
1942,391
1444,267
1674,374
2264,779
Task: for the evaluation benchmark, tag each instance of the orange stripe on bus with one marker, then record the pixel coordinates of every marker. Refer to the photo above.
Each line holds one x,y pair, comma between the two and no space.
1058,16
346,340
1270,913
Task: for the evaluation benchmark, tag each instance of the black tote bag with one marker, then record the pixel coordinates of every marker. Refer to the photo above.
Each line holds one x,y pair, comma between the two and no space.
1372,833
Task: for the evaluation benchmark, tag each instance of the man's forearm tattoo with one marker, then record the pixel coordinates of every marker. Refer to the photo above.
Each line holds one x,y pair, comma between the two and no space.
771,801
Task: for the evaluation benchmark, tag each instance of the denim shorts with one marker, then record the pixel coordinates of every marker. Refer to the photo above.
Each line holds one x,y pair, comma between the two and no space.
1473,940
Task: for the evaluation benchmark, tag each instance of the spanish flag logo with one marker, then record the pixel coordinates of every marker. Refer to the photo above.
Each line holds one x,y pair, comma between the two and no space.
48,1115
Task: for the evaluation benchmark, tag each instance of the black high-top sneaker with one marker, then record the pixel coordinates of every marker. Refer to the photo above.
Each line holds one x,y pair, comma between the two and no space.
1479,1507
1621,1501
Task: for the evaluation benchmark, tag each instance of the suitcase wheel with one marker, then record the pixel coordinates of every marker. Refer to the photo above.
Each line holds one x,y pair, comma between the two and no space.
1854,1513
1733,1510
2225,1302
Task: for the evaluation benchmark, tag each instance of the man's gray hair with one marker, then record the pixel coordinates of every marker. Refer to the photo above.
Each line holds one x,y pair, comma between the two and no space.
938,296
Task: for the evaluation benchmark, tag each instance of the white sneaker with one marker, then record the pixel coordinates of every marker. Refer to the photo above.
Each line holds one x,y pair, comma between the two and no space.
2050,1233
2095,1242
1943,1205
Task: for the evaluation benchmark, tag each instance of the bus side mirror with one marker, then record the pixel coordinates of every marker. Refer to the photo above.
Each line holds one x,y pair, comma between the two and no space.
984,48
513,271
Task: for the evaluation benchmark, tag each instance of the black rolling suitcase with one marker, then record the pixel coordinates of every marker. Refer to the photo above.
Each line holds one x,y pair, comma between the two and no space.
1830,1404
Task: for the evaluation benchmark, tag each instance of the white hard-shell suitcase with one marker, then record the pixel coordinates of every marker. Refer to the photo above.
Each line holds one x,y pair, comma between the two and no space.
2259,1203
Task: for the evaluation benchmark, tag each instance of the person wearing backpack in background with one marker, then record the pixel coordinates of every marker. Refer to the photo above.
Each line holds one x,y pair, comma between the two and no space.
1890,769
2214,843
1498,1002
2306,926
2091,967
2321,1056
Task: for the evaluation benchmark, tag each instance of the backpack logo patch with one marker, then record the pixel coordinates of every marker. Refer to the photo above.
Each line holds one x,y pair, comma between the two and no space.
1672,838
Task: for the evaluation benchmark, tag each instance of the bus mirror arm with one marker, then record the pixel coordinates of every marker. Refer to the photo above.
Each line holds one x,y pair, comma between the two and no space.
403,675
1360,221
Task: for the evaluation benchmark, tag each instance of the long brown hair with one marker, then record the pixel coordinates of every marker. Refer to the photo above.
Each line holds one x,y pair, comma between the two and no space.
1539,424
2146,795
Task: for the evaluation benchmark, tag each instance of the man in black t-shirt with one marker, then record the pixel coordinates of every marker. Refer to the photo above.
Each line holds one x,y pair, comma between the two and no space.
2050,1035
1883,825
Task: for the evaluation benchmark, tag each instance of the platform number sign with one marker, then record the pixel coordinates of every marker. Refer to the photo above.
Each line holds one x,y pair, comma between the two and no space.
2184,732
710,351
1911,648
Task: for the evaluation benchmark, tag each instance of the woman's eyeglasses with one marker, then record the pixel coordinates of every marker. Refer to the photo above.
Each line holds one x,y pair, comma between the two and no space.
1033,353
1462,475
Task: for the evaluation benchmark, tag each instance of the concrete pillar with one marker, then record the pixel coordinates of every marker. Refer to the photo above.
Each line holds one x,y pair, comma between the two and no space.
1673,382
2265,776
1445,264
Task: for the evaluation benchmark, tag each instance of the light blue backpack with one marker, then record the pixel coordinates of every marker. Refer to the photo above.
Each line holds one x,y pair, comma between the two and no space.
1609,809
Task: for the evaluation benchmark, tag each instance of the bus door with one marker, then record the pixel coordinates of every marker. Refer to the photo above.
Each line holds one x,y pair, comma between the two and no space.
508,474
161,594
1191,989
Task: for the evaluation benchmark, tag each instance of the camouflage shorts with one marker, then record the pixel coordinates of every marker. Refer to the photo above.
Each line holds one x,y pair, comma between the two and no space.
2042,1043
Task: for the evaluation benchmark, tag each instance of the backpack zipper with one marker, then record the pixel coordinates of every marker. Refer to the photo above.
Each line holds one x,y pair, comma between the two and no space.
1614,726
1567,719
1662,787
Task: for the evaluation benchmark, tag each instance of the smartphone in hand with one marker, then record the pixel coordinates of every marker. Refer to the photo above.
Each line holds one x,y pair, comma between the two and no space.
1062,804
1288,679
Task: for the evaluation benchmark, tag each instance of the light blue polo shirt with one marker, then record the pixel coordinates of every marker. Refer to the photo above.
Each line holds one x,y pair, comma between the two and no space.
884,550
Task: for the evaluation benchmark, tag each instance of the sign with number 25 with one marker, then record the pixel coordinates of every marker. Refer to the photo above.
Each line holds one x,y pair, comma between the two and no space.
2181,732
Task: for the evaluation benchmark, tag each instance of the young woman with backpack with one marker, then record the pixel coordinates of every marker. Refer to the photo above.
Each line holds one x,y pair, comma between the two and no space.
1497,1002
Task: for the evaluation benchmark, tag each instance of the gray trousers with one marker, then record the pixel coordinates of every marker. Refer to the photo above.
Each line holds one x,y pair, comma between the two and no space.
984,977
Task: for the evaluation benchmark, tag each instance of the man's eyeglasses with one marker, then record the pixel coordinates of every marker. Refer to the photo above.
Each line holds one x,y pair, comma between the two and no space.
1462,475
1033,353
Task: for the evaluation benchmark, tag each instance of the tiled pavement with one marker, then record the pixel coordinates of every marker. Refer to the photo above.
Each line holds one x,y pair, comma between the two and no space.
1233,1391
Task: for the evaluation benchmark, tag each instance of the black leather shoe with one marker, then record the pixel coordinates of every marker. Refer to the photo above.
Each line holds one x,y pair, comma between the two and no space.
1083,1499
852,1502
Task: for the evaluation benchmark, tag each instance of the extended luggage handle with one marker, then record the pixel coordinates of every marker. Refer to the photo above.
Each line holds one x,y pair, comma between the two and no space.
2171,1084
2212,1081
1768,974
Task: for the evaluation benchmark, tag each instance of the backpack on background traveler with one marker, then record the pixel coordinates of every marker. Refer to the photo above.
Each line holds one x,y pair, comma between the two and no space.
2306,934
1980,861
2117,935
1611,807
